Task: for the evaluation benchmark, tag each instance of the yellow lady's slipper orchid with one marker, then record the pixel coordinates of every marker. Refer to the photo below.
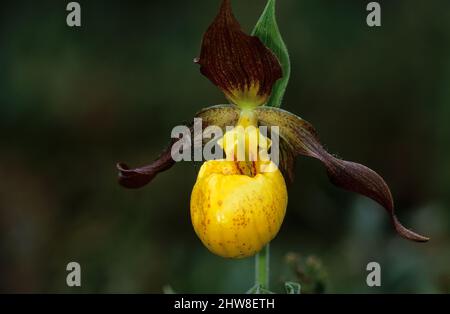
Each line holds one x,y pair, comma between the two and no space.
238,204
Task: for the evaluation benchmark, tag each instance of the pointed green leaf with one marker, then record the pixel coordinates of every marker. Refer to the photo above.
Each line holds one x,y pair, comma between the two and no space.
268,32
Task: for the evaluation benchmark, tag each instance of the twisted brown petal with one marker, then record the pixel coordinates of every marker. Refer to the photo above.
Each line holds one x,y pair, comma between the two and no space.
221,116
239,64
139,177
350,176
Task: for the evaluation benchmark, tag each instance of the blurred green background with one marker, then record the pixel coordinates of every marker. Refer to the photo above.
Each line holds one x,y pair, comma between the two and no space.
74,101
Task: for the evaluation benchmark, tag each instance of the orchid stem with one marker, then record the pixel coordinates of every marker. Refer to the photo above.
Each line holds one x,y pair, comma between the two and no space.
262,269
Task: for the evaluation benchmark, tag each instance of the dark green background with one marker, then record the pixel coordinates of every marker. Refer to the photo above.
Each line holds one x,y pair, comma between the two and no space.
73,102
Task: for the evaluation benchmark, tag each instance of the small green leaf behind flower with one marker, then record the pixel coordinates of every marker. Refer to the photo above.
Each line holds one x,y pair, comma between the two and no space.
268,32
